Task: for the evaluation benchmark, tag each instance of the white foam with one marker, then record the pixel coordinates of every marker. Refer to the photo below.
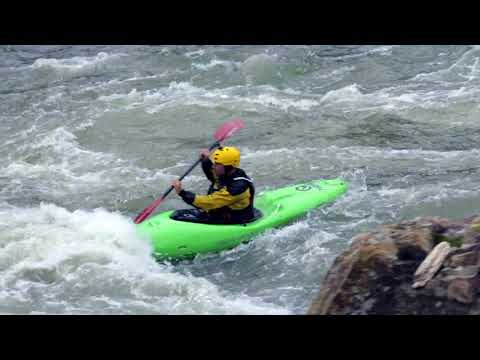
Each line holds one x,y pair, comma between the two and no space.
347,93
272,239
81,260
84,124
70,68
195,54
352,99
60,143
399,198
336,158
383,50
148,77
468,61
184,93
103,86
76,63
229,65
150,96
313,250
54,98
353,96
335,75
247,153
132,96
269,100
63,166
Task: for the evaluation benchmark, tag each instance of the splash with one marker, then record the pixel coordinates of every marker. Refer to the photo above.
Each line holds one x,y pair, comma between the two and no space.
96,262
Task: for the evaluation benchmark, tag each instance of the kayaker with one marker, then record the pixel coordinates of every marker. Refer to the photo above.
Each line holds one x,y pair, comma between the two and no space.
229,199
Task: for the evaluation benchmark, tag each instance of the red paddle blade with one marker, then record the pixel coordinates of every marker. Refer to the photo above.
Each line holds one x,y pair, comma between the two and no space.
147,211
228,129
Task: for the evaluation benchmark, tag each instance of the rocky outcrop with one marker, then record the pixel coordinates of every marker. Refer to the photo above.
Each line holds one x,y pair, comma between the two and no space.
425,266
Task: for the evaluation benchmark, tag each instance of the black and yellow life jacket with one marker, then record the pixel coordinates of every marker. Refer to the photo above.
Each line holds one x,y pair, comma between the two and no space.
229,198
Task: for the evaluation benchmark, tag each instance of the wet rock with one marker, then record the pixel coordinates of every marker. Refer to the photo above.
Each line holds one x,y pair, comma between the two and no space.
425,266
429,267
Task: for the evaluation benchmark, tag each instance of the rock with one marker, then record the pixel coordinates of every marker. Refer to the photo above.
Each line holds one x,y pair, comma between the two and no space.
415,238
333,284
424,266
463,258
429,267
460,272
461,290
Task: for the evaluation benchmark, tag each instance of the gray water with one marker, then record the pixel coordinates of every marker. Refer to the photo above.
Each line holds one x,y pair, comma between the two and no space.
90,135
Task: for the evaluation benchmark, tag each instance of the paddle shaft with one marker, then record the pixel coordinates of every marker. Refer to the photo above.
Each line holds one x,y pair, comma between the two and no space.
222,133
214,145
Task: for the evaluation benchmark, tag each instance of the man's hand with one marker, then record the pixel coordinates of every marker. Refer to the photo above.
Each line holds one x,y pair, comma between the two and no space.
177,184
204,154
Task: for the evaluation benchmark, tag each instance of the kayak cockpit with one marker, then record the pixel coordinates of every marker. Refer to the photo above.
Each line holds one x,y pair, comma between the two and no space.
199,216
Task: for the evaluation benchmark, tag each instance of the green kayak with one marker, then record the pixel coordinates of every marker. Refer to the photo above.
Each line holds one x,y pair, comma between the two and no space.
176,240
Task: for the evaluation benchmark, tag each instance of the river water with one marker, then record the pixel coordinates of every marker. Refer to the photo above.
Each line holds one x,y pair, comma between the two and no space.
90,135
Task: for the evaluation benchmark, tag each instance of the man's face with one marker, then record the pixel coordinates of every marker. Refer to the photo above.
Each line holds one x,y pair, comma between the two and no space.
219,169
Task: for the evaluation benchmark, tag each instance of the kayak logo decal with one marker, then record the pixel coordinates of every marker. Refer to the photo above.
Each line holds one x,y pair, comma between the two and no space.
306,187
303,187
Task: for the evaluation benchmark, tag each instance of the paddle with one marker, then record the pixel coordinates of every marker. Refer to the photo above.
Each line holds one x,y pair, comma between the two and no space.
223,132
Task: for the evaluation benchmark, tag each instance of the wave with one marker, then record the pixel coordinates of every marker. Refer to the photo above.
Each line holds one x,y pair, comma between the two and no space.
228,65
76,63
96,262
54,165
333,159
352,98
186,94
466,69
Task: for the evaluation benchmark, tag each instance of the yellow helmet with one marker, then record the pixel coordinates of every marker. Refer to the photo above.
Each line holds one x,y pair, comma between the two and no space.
225,156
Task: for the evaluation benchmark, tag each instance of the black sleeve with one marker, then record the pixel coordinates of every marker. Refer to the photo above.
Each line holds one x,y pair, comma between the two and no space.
187,196
207,169
237,187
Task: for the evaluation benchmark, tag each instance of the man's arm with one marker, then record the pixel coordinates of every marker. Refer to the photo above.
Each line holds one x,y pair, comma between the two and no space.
216,200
